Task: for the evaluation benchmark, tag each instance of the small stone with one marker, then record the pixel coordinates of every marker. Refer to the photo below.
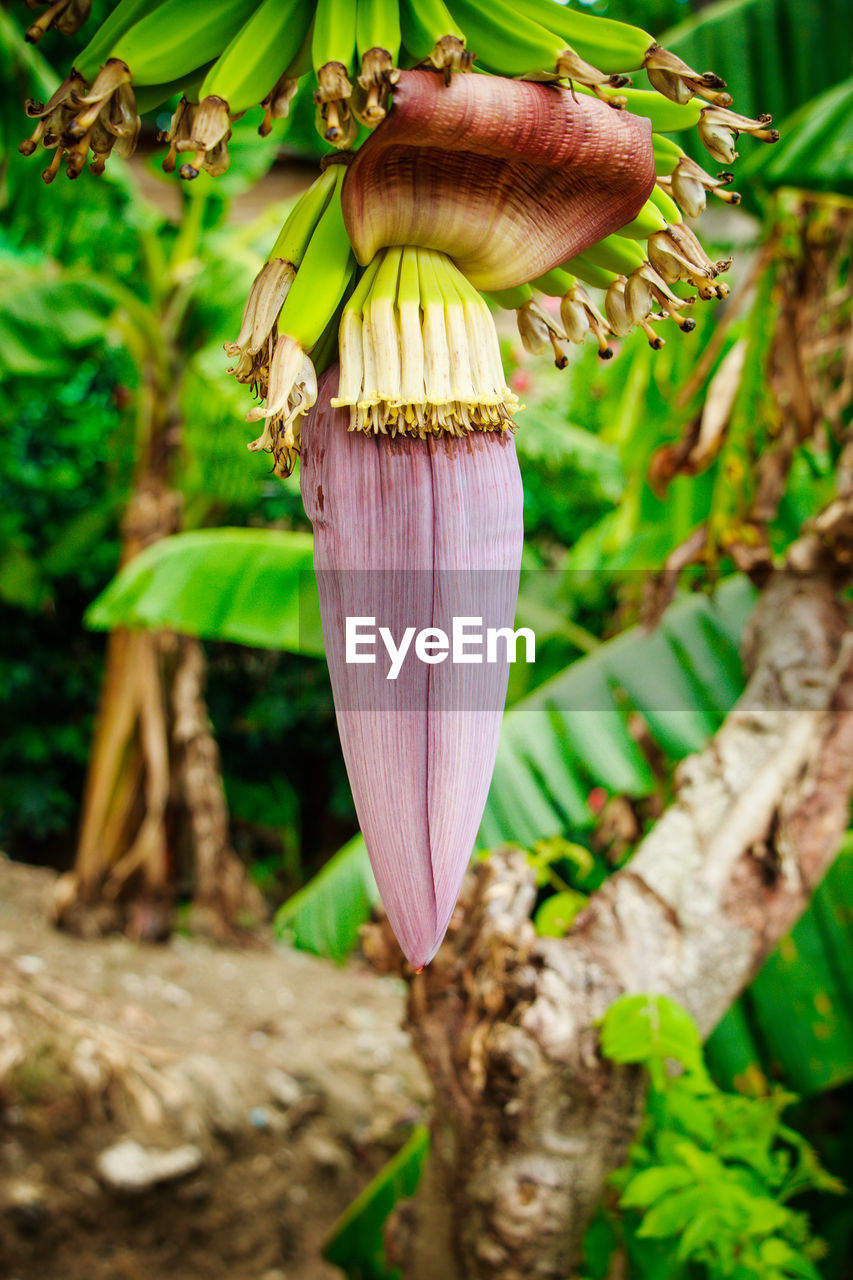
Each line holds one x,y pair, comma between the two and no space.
359,1019
129,1167
284,1090
259,1118
30,965
26,1206
327,1155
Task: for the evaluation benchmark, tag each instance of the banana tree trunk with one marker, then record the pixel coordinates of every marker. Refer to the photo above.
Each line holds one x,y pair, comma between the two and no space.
529,1119
154,813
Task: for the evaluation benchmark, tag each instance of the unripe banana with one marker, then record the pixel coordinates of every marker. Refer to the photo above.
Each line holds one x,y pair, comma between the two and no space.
669,210
667,153
325,271
612,46
595,276
378,46
510,44
377,26
647,222
333,55
431,34
174,39
616,254
334,34
258,54
666,116
295,235
125,14
509,299
150,96
555,283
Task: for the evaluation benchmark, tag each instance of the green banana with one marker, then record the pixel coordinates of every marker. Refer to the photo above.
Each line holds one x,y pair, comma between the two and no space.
259,53
150,96
647,222
176,38
612,46
334,34
431,34
589,272
666,116
123,17
667,154
510,299
294,237
378,43
377,26
324,273
506,41
325,350
669,210
333,56
302,63
555,282
615,253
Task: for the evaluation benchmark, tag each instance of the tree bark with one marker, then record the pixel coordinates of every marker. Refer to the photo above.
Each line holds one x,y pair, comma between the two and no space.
154,804
529,1119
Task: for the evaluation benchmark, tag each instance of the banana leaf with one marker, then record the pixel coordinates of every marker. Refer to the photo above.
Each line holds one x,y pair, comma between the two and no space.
795,1021
816,147
252,586
325,916
774,55
356,1242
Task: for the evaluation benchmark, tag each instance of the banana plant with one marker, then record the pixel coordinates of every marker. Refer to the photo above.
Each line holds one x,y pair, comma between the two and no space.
459,185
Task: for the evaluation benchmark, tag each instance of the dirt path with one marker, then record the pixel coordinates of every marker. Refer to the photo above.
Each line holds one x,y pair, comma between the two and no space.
286,1079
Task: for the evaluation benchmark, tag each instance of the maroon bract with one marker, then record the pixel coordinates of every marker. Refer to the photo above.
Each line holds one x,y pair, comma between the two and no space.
507,177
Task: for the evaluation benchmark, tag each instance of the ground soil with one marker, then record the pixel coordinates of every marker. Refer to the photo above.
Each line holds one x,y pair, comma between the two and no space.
290,1075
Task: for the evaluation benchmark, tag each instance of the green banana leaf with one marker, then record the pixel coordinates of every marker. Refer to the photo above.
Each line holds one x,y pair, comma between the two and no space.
774,55
796,1019
252,586
356,1243
816,147
325,916
571,734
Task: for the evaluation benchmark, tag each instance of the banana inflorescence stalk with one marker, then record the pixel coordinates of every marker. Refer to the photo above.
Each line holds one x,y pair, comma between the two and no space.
367,336
414,533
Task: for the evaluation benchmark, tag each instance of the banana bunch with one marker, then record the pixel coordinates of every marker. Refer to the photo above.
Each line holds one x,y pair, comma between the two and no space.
419,351
226,56
417,342
291,311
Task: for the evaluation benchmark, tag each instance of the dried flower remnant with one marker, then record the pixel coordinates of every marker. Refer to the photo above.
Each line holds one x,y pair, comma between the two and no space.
67,16
719,129
673,78
689,183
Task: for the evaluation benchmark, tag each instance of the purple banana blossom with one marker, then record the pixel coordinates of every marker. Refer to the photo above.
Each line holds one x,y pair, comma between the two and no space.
414,533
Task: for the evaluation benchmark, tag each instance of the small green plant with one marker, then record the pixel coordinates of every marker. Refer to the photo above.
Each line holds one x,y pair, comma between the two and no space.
705,1189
